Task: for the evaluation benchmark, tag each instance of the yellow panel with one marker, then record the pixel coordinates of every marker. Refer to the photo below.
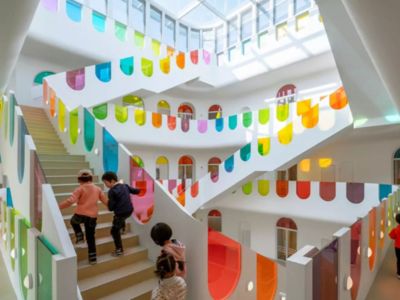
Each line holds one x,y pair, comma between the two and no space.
305,165
162,160
140,117
303,106
310,118
285,135
302,21
325,162
281,31
264,145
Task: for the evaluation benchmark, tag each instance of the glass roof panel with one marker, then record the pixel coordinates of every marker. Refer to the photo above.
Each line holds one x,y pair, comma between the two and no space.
226,7
173,5
201,17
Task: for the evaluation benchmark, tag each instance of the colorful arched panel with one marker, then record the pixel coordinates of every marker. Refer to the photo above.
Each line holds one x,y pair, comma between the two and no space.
338,99
202,126
247,119
180,60
267,278
44,254
384,191
23,255
285,135
127,65
110,152
232,120
74,126
76,79
194,57
194,189
263,116
302,107
185,124
100,111
181,199
120,31
163,107
61,115
147,67
206,57
355,257
245,152
21,148
74,10
51,5
88,130
247,188
156,119
12,118
156,47
165,65
171,122
121,113
103,71
310,119
213,168
52,103
327,190
140,117
372,238
40,77
264,145
303,189
224,265
229,163
170,51
282,112
355,192
139,39
98,21
219,124
263,187
282,188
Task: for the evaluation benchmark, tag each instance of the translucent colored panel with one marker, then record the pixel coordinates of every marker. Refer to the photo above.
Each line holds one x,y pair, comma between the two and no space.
5,119
100,111
263,187
171,185
303,189
247,119
245,152
247,188
382,225
21,148
384,191
103,72
52,103
127,65
165,65
170,51
181,199
206,57
325,273
74,10
23,252
61,116
194,189
285,135
305,165
180,60
45,92
1,110
171,122
391,222
121,113
355,258
156,120
51,5
74,126
355,192
219,124
155,46
88,130
98,21
232,122
120,31
282,188
185,124
9,198
76,79
140,117
264,145
39,180
338,99
327,190
263,116
147,67
12,118
372,238
303,107
267,278
14,252
40,77
282,112
202,126
194,56
224,265
44,252
229,164
139,39
110,152
310,118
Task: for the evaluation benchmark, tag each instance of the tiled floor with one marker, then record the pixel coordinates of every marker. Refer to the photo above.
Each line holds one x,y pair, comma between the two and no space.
7,292
386,285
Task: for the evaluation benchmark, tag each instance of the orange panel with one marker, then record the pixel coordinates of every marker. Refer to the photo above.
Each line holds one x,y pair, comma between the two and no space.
310,118
156,119
267,278
303,107
180,60
194,189
170,51
45,91
372,238
52,103
338,99
181,199
282,188
165,65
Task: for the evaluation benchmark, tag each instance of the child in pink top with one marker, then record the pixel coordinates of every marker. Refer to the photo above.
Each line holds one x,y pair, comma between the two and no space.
161,234
85,197
395,235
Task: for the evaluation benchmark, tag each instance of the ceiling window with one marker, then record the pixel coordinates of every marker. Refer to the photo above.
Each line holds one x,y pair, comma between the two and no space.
99,6
263,15
301,5
138,15
154,28
208,40
232,32
169,31
120,10
281,11
246,25
183,38
195,39
220,39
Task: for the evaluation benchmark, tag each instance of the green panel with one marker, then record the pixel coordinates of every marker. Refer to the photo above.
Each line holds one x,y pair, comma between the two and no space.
100,111
74,126
263,187
263,116
147,67
247,188
39,77
44,269
23,252
1,110
89,130
121,113
120,31
282,112
13,253
139,39
155,45
247,119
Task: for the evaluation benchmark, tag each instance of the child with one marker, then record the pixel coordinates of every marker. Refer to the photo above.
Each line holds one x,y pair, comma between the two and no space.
395,235
170,286
85,197
161,234
119,201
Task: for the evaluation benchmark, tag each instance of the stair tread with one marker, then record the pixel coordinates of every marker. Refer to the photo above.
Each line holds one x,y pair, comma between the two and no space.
133,291
114,275
101,212
98,226
106,239
73,184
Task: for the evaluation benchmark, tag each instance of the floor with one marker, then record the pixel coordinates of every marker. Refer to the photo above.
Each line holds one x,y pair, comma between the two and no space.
386,285
7,292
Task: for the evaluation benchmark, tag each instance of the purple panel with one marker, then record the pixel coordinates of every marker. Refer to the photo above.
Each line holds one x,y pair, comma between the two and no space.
355,192
76,79
171,185
206,57
51,5
185,125
202,126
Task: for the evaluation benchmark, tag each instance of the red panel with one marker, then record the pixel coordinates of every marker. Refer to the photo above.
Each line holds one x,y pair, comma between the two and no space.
194,56
303,189
355,192
327,190
171,122
194,189
224,265
282,188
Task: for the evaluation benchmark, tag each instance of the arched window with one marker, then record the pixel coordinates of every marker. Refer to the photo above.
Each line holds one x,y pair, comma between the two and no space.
286,235
163,107
396,162
38,80
215,112
162,168
213,168
131,100
287,94
215,220
186,111
186,168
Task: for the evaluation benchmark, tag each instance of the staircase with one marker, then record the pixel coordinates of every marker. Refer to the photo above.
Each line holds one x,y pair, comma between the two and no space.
128,277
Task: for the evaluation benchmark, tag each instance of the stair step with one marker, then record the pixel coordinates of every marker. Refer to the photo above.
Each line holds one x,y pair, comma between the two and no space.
70,210
106,262
116,280
102,230
106,245
103,217
48,164
67,179
140,291
69,187
50,152
62,157
59,172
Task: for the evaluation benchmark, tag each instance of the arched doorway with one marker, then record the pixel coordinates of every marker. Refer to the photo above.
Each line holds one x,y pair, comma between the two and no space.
215,220
162,166
286,236
213,168
186,111
186,168
214,112
163,107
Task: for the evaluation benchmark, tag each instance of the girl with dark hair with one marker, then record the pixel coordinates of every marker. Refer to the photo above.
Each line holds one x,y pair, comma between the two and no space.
395,235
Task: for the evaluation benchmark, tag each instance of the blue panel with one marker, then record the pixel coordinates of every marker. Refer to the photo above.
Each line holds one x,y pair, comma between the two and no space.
98,21
74,10
89,130
245,152
21,149
219,124
384,191
9,198
232,122
103,72
126,65
229,164
110,152
12,118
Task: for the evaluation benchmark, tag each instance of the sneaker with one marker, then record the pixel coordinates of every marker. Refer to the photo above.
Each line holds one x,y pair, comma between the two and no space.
117,252
79,239
92,258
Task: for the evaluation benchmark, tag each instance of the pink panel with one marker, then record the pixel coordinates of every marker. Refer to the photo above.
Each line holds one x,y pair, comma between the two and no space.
206,57
355,192
303,189
171,185
327,190
51,5
202,126
76,79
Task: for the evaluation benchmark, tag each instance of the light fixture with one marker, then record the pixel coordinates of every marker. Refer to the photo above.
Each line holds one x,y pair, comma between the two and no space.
382,235
250,286
359,250
369,253
393,118
381,222
389,223
373,233
65,129
28,281
96,151
348,282
319,88
47,102
12,253
79,131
